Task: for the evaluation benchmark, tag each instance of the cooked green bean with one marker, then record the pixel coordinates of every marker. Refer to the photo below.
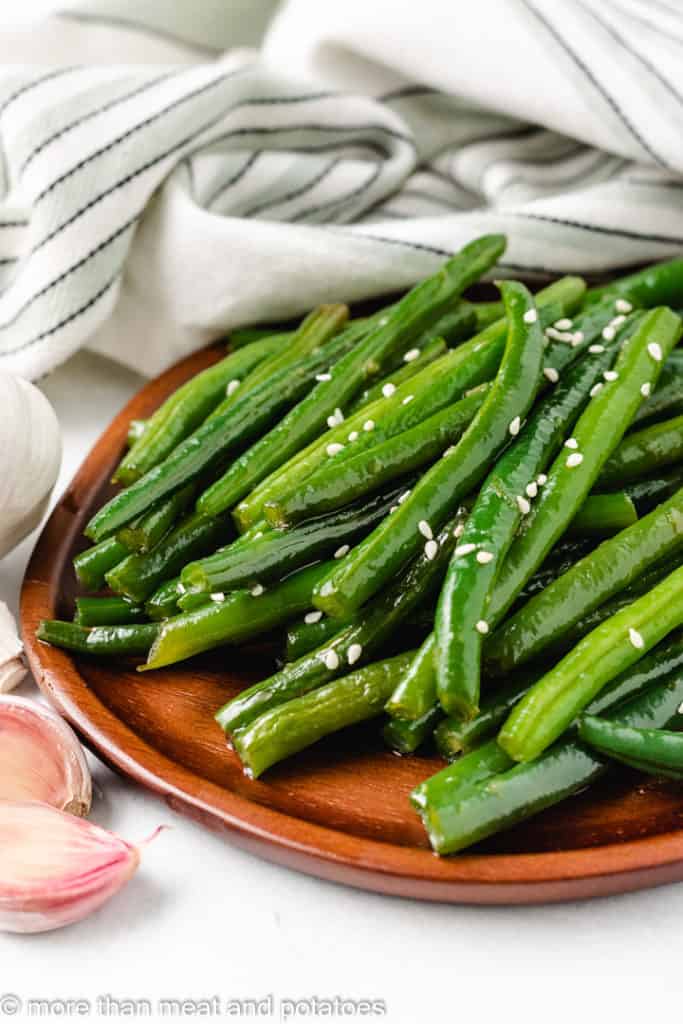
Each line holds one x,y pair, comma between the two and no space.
106,611
643,454
145,532
654,751
164,601
114,641
602,514
93,564
646,494
660,284
407,737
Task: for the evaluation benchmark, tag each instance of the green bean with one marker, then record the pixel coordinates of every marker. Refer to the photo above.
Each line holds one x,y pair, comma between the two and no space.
94,563
233,618
604,513
406,737
418,310
595,436
106,611
243,336
556,699
164,601
667,399
454,736
653,751
376,559
415,696
468,771
185,410
643,454
146,531
115,641
646,494
291,727
658,285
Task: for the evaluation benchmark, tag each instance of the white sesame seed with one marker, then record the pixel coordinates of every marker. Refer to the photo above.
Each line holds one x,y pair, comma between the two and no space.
551,374
180,588
482,627
532,489
646,389
596,389
353,436
425,529
404,497
617,321
636,639
394,508
327,588
259,533
331,659
523,504
232,387
464,549
411,355
571,442
484,557
577,338
431,549
595,350
368,426
257,590
515,425
556,335
353,654
459,530
564,324
323,376
388,389
530,317
608,333
655,351
332,421
611,375
680,708
575,459
343,550
219,597
334,448
541,479
407,399
623,306
311,617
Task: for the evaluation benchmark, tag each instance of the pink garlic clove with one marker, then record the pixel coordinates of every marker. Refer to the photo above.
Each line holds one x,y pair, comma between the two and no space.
41,758
56,869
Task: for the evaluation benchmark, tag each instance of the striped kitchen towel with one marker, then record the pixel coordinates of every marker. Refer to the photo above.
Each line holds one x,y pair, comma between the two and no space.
172,170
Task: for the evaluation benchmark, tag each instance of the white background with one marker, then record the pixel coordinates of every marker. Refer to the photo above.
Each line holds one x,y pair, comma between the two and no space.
202,918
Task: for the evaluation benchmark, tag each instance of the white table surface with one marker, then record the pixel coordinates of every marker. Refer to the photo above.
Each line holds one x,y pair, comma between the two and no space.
204,919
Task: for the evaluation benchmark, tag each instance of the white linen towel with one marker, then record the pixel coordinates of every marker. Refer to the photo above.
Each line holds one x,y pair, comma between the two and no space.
161,183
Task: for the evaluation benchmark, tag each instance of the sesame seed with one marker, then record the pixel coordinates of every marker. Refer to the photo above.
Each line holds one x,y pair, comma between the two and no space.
311,617
541,479
575,459
530,317
327,588
218,597
332,421
571,442
343,550
407,399
646,389
680,708
523,505
596,389
515,424
368,426
610,375
564,324
617,321
180,588
323,376
484,557
608,333
411,355
482,627
595,350
353,436
257,590
636,639
655,351
532,489
334,448
232,387
331,659
551,374
394,508
259,533
431,549
459,530
577,338
388,389
353,654
559,335
623,306
425,529
464,549
404,497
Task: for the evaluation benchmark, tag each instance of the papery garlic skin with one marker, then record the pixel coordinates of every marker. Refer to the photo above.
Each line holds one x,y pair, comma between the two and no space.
56,869
30,456
12,666
41,758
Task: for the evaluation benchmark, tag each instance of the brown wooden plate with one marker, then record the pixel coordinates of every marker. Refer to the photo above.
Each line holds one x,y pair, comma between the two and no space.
339,810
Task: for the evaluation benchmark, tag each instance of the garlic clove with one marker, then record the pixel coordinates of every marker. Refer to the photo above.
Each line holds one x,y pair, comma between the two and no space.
12,666
40,758
56,869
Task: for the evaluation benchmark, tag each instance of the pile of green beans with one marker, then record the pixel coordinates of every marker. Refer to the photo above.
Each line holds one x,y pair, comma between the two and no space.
463,520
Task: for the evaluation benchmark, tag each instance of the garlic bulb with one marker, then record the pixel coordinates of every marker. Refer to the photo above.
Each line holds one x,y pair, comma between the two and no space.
12,666
30,454
56,869
40,758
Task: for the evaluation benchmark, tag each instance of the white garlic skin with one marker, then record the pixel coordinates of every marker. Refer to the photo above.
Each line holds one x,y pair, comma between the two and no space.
56,869
12,665
41,758
30,456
